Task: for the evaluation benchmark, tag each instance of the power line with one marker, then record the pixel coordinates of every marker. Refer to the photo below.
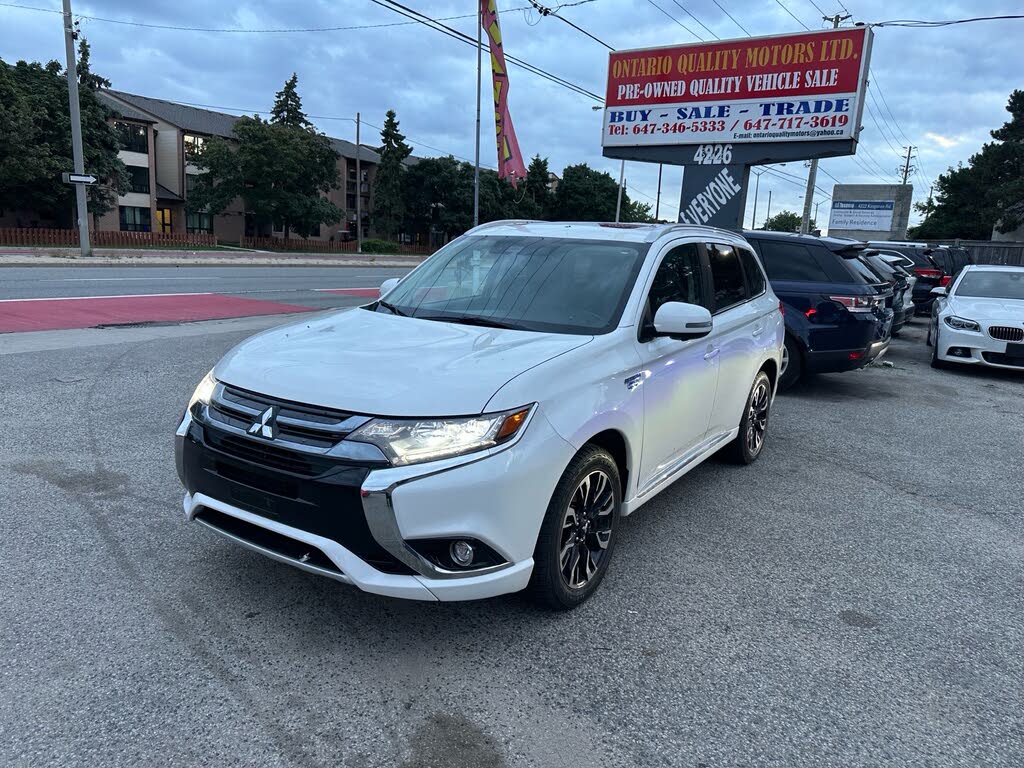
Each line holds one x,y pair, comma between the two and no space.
689,13
933,24
783,7
393,5
817,8
239,30
722,9
544,11
677,21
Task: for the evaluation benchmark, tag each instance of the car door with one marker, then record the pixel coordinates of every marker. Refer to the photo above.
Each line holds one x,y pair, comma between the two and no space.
738,327
679,377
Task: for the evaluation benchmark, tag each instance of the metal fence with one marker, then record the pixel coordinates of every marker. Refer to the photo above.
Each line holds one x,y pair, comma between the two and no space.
991,251
39,236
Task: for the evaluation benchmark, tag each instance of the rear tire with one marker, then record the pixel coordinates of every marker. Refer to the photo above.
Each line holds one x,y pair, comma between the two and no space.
792,364
749,443
577,537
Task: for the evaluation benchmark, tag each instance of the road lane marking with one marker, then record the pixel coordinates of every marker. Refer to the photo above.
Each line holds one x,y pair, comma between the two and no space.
120,296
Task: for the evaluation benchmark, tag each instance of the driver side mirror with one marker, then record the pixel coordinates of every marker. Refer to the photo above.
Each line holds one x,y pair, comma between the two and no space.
389,285
938,291
681,321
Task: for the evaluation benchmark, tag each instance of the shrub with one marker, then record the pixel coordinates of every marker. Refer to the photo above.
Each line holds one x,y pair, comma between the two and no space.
379,246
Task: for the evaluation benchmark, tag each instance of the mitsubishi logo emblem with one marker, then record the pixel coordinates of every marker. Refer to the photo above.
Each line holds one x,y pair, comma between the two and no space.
266,425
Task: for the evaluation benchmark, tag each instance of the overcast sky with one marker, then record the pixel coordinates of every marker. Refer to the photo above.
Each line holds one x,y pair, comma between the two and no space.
947,88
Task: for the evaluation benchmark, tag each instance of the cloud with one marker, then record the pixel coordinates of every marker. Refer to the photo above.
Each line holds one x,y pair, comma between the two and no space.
945,142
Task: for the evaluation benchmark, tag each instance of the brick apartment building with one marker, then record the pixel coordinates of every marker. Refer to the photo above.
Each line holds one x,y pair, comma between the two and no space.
159,138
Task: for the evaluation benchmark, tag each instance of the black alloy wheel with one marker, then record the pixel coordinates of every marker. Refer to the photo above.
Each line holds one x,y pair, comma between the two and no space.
577,536
749,443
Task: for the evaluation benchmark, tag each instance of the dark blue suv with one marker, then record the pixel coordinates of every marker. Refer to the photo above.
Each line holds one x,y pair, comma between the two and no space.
838,313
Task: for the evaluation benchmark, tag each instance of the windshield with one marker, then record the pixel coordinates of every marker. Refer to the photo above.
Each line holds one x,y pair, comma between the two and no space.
994,284
557,285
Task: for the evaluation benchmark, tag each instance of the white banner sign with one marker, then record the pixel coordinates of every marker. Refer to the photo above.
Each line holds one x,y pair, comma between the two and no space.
861,215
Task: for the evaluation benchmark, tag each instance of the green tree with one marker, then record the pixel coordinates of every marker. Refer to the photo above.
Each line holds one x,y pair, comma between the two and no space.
988,192
281,173
584,194
538,199
287,109
35,141
786,221
388,194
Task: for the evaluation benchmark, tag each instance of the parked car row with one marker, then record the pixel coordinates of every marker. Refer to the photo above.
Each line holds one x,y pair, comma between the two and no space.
482,427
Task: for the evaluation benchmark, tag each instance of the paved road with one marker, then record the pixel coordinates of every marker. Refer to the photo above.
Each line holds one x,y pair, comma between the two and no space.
855,598
276,283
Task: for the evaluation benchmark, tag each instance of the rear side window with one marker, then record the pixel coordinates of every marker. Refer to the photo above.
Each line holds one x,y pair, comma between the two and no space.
862,271
755,277
791,261
726,276
679,278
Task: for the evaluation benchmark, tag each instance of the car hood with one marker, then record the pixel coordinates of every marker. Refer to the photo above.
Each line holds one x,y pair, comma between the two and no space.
380,364
1010,311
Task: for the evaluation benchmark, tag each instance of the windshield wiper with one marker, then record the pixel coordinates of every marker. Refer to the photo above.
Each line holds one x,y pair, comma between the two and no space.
485,322
391,308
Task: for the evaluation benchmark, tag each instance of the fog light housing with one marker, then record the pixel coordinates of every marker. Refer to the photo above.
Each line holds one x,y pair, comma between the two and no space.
959,352
461,553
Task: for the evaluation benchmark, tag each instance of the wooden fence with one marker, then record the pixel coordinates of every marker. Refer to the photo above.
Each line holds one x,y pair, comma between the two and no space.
991,251
324,246
114,239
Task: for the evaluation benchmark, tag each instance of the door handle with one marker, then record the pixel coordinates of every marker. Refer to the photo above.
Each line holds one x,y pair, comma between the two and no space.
712,353
758,330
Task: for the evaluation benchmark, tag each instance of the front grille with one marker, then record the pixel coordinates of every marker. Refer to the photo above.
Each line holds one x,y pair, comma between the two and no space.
998,358
1006,333
266,454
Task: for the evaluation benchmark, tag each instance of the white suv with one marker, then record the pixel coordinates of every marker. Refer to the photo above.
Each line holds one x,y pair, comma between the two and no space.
483,426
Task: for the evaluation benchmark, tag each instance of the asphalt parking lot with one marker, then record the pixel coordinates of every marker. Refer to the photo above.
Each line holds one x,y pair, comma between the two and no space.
855,598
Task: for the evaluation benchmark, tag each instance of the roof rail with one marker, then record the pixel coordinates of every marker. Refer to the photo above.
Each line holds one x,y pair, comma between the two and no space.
500,223
665,229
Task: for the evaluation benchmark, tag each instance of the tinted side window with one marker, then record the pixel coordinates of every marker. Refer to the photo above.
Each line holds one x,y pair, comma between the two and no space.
755,277
679,278
784,261
726,276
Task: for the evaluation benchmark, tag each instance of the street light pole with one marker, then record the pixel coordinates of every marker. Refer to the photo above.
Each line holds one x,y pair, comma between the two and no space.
657,202
622,181
479,69
359,193
76,131
757,186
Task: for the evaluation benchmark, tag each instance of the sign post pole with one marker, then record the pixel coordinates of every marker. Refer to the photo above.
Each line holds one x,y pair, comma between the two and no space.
76,132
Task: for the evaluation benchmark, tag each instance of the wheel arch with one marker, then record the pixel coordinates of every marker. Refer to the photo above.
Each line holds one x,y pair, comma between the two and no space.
771,368
614,441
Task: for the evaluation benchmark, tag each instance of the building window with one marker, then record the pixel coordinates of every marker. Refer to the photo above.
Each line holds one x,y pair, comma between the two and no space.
199,224
194,145
165,220
134,138
190,183
138,178
135,219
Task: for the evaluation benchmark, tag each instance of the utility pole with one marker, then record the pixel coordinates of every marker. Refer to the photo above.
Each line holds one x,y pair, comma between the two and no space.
76,130
816,212
906,170
812,175
479,70
769,214
622,181
757,186
657,202
359,193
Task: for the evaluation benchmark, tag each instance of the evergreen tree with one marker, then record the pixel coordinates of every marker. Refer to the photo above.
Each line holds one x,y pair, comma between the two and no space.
35,141
388,193
987,192
287,109
538,179
86,78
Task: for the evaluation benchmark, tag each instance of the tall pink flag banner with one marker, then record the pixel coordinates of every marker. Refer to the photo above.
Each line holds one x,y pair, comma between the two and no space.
510,159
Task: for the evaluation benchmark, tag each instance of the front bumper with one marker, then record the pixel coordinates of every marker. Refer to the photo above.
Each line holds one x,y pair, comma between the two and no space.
981,349
360,525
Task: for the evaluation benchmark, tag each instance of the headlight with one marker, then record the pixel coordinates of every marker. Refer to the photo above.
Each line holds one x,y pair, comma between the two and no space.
961,323
204,391
411,441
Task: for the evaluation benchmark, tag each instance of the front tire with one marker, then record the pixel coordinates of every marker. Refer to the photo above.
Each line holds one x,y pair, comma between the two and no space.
936,362
577,536
749,443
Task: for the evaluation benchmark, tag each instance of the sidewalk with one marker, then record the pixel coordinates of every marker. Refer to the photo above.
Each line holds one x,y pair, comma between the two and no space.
48,257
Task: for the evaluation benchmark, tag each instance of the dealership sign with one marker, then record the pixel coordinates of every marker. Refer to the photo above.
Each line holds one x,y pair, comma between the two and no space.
861,215
785,88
